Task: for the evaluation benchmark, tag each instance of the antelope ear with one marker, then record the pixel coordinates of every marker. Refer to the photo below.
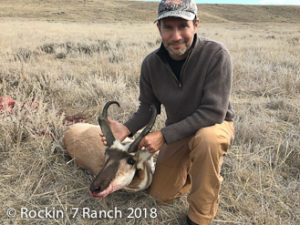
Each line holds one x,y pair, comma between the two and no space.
141,157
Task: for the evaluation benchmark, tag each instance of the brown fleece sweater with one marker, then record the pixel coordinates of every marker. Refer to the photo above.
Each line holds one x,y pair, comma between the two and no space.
200,98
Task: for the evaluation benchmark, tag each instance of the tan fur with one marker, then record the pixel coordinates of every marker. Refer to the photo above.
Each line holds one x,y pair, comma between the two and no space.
84,145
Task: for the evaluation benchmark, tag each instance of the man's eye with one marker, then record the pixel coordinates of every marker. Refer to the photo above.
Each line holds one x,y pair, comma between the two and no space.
168,28
183,26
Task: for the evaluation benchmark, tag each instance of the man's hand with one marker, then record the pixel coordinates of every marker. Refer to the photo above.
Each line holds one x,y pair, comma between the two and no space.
118,129
152,141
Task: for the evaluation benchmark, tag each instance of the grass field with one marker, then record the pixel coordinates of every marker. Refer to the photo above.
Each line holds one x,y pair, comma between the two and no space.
59,58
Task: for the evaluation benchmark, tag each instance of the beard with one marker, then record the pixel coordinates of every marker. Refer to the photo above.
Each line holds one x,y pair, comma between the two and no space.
179,52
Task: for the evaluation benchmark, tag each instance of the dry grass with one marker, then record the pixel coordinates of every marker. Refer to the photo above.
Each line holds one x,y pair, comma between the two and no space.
134,11
72,67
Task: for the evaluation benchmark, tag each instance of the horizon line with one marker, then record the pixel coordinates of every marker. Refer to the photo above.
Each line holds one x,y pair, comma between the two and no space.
258,3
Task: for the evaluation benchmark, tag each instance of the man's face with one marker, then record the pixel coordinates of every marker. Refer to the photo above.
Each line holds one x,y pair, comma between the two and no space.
177,35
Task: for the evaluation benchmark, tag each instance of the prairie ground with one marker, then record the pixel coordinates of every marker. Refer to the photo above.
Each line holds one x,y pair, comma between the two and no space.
59,68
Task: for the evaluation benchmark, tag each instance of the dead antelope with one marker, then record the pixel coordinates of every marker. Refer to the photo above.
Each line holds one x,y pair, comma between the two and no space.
119,165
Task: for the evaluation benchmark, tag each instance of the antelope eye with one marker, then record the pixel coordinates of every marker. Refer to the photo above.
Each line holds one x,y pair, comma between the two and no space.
131,161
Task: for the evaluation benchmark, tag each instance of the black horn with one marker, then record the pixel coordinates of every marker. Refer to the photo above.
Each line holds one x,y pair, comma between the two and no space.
134,145
104,124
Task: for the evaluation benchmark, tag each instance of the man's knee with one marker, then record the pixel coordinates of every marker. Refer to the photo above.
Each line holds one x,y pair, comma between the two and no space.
206,136
166,197
214,139
205,141
169,183
160,197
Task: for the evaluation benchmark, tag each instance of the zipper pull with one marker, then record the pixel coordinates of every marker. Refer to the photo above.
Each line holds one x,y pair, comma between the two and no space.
180,84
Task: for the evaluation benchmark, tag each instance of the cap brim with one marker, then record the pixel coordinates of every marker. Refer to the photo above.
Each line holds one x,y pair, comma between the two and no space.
180,14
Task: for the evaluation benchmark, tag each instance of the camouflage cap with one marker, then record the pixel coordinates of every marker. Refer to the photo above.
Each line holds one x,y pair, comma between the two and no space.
186,9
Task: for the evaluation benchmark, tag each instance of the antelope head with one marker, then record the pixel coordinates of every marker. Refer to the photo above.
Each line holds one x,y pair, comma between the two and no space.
122,161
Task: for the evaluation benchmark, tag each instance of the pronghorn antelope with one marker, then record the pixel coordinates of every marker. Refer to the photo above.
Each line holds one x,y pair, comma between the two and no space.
118,165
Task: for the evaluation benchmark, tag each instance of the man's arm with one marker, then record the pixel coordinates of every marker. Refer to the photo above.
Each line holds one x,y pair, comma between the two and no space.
142,116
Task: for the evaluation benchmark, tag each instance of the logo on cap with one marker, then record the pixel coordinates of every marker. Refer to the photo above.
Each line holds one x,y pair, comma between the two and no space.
171,5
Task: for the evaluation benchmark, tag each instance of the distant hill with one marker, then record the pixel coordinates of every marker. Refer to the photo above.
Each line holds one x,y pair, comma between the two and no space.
249,13
105,10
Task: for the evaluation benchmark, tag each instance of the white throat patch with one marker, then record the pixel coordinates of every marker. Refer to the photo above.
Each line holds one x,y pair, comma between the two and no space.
118,145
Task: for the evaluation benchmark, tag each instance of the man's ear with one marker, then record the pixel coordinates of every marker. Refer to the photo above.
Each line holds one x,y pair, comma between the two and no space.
196,24
158,26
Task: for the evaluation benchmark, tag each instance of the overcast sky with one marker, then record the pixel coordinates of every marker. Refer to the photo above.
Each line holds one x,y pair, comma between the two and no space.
252,2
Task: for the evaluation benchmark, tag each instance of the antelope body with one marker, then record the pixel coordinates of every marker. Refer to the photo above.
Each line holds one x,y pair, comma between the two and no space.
118,165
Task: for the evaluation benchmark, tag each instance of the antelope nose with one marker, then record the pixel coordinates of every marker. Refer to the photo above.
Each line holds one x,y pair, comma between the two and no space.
95,189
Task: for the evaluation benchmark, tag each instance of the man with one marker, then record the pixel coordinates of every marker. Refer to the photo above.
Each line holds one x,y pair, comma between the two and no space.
191,77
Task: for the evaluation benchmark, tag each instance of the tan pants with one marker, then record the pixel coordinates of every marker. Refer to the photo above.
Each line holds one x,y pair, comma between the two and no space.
193,164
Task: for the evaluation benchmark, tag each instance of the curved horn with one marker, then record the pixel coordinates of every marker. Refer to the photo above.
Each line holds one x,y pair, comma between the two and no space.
104,124
146,130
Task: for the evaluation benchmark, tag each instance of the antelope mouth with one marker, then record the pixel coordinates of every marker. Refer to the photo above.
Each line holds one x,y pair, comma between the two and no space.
111,188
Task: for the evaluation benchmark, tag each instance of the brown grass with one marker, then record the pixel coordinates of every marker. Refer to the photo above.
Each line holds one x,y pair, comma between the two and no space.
74,67
135,11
